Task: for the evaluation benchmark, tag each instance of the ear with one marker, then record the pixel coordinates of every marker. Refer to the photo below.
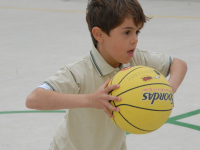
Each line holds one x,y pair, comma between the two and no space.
98,34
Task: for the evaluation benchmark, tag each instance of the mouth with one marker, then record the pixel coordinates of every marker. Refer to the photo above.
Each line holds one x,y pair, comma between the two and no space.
130,53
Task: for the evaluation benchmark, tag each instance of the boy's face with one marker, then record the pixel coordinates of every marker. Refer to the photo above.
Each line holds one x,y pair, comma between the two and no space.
119,46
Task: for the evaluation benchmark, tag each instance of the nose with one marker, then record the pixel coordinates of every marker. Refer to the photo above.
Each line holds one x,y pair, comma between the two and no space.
134,39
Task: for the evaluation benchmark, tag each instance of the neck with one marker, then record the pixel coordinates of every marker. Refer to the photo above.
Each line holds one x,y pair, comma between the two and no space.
107,57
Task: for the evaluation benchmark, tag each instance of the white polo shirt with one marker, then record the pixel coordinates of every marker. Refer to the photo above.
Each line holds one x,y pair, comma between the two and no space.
90,128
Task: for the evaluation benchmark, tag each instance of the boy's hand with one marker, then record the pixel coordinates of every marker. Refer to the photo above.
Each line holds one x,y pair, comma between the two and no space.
100,98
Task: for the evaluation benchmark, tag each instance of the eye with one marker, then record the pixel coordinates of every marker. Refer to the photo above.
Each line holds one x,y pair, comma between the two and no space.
127,32
137,32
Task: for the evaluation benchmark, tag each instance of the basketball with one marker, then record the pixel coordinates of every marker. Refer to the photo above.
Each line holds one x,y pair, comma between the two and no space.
147,99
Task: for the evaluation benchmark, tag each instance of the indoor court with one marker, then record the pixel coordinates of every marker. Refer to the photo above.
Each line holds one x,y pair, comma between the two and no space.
38,37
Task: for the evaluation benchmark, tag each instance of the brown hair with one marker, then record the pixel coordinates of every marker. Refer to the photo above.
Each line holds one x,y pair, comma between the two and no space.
108,14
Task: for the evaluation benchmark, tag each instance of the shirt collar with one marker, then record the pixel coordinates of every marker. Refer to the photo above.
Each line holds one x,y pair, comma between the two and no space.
102,67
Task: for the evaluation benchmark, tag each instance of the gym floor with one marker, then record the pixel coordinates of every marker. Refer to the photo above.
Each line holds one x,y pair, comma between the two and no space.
38,37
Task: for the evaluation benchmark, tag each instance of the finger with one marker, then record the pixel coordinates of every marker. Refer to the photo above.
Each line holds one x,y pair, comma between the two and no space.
108,113
111,107
106,83
113,98
111,87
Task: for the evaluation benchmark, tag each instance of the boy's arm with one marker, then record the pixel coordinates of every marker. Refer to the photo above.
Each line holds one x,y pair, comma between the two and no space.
178,70
43,99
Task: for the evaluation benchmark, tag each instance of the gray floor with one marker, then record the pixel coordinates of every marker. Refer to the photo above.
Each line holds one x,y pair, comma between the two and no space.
37,37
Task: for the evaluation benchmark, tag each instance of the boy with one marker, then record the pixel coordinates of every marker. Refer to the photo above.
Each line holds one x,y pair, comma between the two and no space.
82,87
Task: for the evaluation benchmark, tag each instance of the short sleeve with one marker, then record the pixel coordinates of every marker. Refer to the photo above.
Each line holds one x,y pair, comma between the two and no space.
158,61
63,81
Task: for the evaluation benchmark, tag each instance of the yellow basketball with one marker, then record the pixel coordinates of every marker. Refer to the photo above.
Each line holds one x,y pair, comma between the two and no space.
147,99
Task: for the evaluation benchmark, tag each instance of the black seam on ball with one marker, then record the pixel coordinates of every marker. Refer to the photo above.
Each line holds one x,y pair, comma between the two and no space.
135,126
112,114
129,73
143,108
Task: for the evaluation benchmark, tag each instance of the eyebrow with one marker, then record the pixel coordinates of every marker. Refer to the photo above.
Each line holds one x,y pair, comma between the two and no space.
130,28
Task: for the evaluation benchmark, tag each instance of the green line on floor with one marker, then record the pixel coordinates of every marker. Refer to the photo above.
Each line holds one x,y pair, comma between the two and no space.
189,114
33,111
187,125
173,120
